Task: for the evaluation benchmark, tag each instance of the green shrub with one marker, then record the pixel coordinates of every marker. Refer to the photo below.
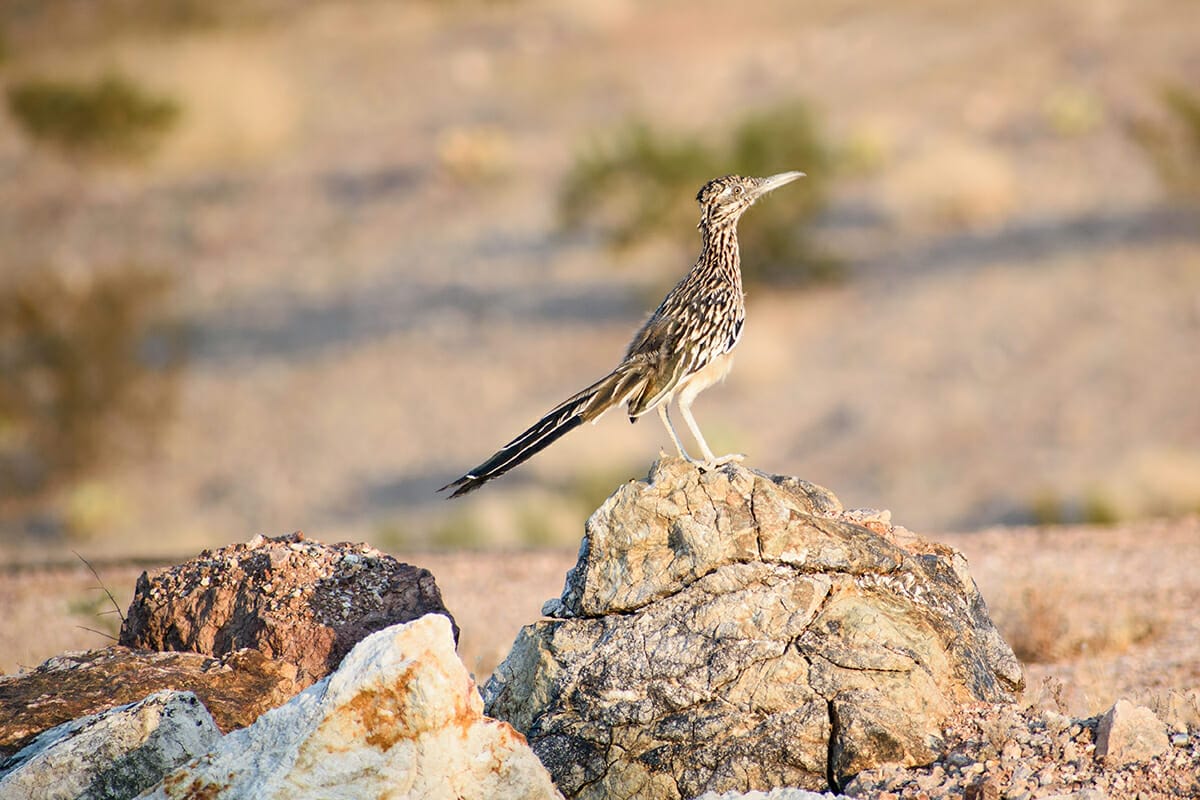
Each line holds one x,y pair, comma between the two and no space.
1173,143
109,118
642,185
85,369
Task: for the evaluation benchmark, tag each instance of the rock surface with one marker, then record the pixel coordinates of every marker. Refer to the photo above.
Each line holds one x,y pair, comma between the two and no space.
117,753
730,630
1128,733
400,718
295,600
235,688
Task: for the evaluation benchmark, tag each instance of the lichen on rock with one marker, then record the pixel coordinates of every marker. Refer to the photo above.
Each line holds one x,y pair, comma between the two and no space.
731,630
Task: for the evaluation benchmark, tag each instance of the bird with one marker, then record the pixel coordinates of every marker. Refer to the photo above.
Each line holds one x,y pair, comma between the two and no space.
683,348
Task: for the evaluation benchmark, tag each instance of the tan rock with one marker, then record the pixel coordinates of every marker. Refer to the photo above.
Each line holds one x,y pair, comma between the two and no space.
729,630
1128,733
400,718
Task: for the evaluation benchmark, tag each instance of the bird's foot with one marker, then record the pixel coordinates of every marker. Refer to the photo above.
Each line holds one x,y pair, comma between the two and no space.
716,462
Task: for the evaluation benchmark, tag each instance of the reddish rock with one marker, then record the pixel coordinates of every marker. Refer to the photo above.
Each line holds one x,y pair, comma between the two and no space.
295,600
235,688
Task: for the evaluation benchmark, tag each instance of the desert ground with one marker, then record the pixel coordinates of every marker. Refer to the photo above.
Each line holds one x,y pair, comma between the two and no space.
358,216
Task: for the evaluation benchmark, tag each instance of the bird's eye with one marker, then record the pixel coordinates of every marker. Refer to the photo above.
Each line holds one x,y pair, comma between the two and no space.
737,191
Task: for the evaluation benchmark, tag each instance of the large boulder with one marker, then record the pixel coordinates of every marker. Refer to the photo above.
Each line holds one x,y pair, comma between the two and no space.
115,754
292,599
235,688
730,630
400,718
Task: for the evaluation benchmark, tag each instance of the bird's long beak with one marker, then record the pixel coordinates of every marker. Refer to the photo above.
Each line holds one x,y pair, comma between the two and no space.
773,182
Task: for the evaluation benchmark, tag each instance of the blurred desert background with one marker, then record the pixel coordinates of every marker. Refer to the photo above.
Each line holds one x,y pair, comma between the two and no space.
273,265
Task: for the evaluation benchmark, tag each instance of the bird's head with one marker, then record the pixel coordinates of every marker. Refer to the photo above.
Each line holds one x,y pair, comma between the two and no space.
723,200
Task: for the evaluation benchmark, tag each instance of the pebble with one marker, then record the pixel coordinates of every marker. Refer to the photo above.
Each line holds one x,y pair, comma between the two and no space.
1056,722
1179,740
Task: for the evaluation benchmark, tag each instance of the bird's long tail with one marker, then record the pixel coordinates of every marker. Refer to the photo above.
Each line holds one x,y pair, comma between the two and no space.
587,406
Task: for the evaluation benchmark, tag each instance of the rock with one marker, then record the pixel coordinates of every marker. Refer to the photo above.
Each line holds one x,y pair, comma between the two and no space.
235,688
115,754
1129,733
984,789
774,794
729,630
295,600
400,718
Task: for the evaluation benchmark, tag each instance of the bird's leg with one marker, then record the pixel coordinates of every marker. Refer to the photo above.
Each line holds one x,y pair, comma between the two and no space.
662,413
685,408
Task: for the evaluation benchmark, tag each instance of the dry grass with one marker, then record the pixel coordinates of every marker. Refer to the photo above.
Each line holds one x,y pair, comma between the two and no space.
1094,613
1044,624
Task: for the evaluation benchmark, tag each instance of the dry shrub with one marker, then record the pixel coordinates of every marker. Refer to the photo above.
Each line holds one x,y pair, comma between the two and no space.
641,184
110,118
1050,622
1180,710
85,367
1172,142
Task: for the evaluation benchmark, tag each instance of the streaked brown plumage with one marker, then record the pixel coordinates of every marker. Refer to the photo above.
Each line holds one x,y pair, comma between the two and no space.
682,349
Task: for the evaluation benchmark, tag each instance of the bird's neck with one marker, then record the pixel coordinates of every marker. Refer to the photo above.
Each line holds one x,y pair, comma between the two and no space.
719,252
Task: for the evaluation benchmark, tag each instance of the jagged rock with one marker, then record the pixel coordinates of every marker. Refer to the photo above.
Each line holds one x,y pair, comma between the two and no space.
1128,733
730,630
235,688
115,754
400,718
296,600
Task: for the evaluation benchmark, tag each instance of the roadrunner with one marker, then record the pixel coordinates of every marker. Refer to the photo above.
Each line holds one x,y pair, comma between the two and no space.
685,347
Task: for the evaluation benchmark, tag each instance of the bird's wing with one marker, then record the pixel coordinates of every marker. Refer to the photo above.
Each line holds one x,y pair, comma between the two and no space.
660,354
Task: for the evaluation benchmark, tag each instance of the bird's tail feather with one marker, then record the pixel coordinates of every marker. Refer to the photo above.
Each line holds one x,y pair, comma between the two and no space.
586,406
